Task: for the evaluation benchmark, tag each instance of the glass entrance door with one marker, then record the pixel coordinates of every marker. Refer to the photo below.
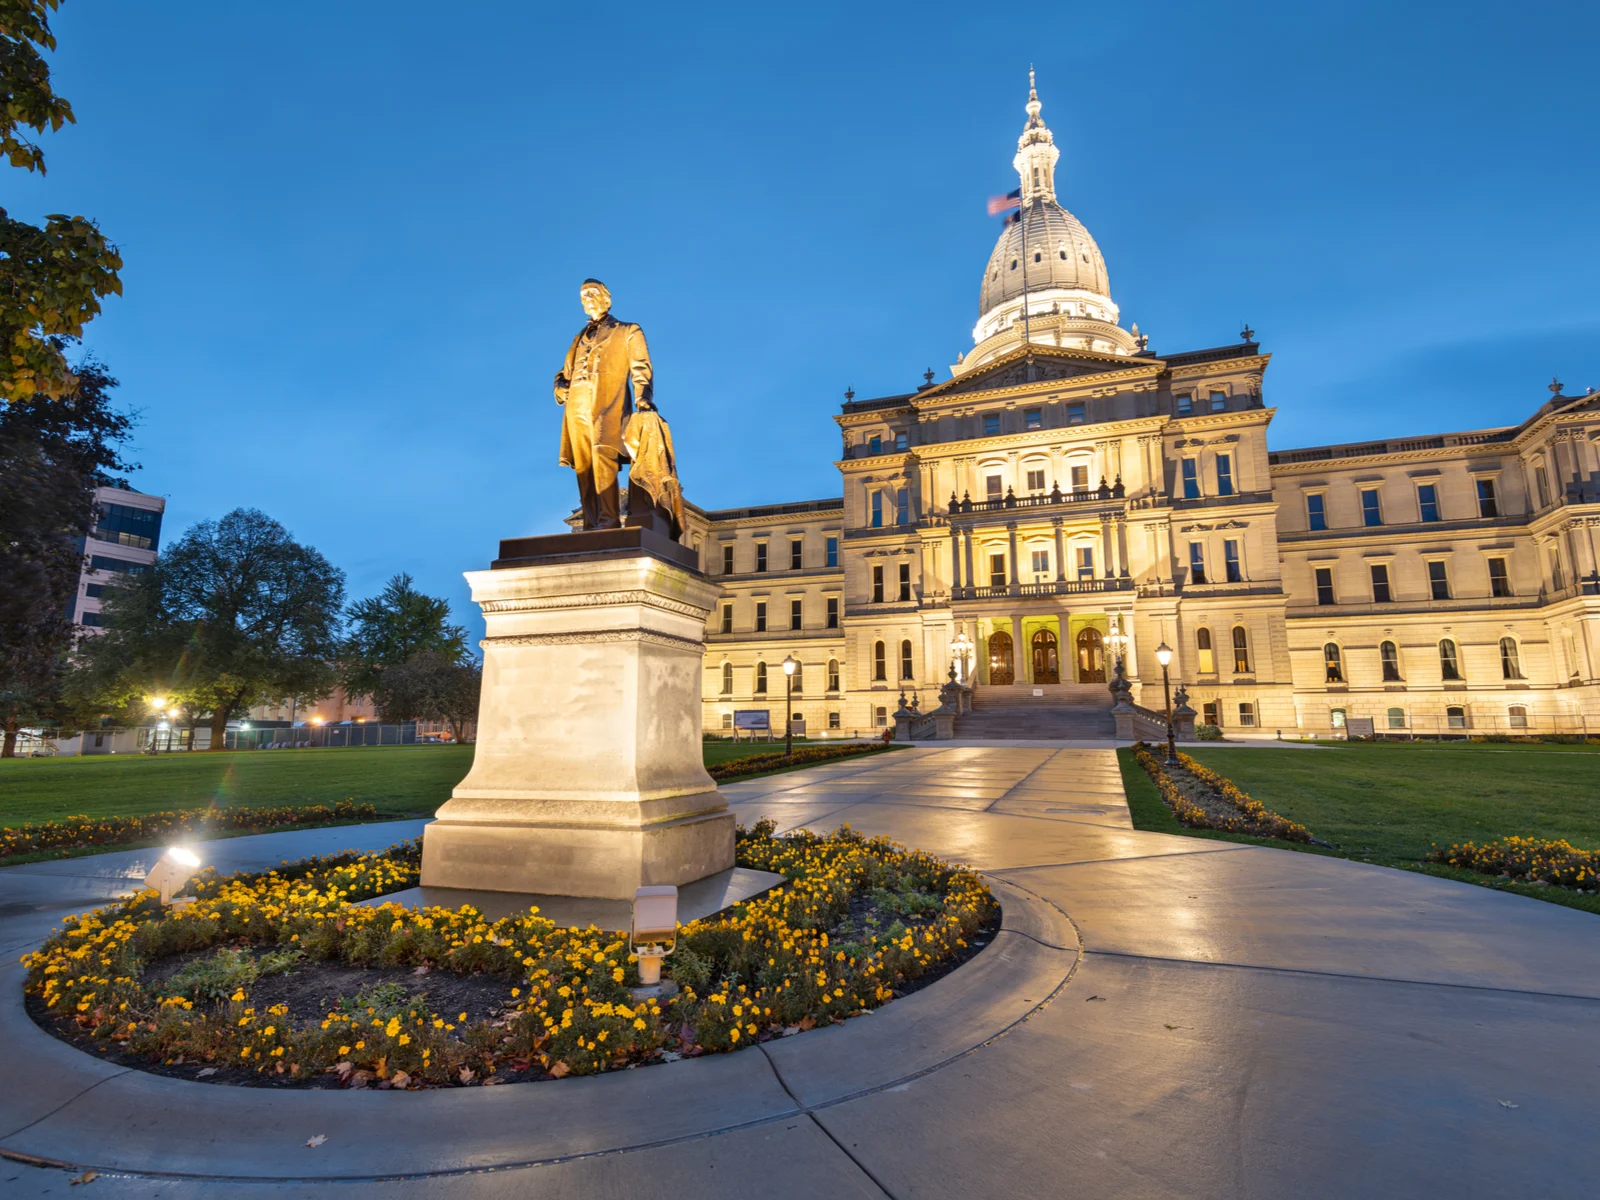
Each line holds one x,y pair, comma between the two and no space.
1046,657
1001,670
1091,657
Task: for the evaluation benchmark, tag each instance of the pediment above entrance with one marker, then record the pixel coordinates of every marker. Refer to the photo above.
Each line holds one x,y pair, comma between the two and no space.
1042,365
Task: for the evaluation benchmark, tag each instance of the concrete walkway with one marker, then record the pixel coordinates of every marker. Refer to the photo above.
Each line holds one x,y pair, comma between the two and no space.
1161,1016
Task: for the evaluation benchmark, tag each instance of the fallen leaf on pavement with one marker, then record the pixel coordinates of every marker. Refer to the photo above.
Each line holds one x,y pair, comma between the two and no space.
1088,998
559,1069
468,1074
205,1072
86,1177
317,1141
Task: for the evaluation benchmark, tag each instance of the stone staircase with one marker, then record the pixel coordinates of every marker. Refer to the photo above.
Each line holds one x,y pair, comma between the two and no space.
1065,710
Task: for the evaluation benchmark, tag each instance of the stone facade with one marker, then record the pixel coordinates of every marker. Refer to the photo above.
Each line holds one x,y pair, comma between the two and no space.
1066,483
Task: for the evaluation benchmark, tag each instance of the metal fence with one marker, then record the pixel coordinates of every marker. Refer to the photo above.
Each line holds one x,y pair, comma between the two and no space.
300,737
1466,724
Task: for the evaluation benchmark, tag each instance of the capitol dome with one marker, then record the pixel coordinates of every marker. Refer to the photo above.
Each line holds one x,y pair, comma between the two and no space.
1046,281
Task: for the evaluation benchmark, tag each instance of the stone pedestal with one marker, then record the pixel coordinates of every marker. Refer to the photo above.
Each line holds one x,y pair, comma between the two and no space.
587,778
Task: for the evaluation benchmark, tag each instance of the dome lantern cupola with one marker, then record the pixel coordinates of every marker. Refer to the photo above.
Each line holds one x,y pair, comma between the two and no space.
1036,153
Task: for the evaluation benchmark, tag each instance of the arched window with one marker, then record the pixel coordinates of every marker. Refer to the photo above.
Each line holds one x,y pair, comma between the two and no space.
1449,664
905,660
1389,653
727,679
1241,651
833,674
1518,716
1333,661
1455,717
1510,666
1202,645
880,665
1397,718
761,679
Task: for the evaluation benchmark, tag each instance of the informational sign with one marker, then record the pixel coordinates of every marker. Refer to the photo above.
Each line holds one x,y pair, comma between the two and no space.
1357,727
752,719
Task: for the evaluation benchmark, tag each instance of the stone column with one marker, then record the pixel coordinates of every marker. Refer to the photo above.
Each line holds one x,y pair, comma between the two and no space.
587,778
1061,553
1109,568
1122,546
1011,534
955,560
1020,657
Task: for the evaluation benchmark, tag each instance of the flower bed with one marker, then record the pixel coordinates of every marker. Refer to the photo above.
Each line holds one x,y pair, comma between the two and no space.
755,764
1526,860
72,833
858,921
1202,799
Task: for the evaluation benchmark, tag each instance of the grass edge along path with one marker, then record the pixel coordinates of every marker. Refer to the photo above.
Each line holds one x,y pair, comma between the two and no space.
1149,812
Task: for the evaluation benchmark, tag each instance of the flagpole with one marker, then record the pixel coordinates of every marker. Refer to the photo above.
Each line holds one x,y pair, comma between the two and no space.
1022,214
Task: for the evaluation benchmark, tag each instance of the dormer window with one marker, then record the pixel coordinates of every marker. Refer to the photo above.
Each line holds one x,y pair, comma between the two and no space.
1013,264
875,444
1037,256
1063,254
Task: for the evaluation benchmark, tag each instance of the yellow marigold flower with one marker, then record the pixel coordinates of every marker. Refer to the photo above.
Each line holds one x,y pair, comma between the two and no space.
405,1039
638,1023
343,1050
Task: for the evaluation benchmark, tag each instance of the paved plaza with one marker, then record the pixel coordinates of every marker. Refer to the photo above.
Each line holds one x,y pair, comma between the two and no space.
1160,1016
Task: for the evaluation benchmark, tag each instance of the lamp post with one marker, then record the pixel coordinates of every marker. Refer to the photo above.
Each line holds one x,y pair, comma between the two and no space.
962,645
1164,656
1119,646
789,665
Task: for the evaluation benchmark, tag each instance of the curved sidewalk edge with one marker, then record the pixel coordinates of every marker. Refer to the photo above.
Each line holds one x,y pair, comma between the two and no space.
63,1107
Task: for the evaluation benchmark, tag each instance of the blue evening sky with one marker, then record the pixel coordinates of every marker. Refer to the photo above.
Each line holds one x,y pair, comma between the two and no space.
354,230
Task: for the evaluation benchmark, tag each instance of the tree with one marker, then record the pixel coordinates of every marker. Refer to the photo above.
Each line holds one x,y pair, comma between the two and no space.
235,613
51,277
388,629
53,453
433,686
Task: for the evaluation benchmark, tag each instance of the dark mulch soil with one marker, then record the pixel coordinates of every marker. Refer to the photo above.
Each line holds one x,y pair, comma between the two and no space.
313,989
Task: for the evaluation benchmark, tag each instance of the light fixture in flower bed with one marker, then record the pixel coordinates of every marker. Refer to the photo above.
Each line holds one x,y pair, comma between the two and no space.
285,979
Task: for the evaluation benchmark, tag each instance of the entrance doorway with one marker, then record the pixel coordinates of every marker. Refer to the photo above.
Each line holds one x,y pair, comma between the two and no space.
1091,657
1046,657
1000,667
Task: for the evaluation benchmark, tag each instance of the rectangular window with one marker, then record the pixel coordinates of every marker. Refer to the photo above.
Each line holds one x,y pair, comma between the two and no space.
727,559
1036,481
1230,560
1076,413
875,444
727,618
761,616
1438,580
833,720
1185,405
833,612
1085,562
880,717
104,562
991,424
1247,714
877,585
900,441
1325,586
1499,580
1428,502
1208,713
1191,479
139,528
795,619
1033,418
997,570
94,591
1197,562
1041,562
1380,584
1487,505
727,720
833,674
761,557
1224,475
905,582
993,487
1541,484
877,510
91,619
1080,479
1316,511
1556,580
1219,401
796,554
1371,511
833,552
902,506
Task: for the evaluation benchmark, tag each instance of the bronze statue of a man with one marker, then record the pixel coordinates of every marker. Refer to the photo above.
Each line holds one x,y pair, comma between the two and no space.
606,357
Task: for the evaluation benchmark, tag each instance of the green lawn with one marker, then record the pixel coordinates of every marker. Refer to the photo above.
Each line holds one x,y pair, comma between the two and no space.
1390,802
398,779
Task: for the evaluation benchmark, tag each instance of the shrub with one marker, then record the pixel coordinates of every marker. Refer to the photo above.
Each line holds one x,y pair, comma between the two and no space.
1207,733
755,764
1526,859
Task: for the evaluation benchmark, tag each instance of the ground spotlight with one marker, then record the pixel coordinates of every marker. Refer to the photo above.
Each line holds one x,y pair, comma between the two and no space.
172,870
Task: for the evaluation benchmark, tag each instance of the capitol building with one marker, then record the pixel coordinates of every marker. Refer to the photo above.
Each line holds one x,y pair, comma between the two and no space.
1067,490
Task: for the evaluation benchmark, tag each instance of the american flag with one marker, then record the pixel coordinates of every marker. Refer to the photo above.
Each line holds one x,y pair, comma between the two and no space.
999,204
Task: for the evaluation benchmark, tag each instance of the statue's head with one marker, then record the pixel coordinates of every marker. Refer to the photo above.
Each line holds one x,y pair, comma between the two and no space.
595,298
